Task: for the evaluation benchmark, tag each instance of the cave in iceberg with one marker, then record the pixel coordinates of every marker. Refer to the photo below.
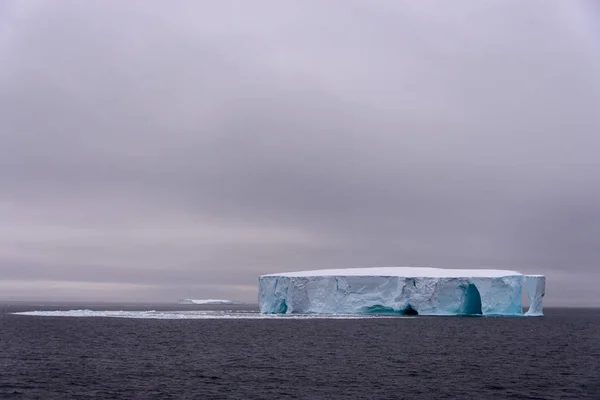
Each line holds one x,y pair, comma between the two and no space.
402,291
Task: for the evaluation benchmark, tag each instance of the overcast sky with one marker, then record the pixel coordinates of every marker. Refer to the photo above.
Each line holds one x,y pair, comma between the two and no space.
156,150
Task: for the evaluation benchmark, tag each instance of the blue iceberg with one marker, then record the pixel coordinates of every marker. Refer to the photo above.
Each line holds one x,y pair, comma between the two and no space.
535,285
401,290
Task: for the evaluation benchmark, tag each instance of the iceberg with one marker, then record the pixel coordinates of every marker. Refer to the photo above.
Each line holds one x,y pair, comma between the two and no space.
209,301
535,285
400,290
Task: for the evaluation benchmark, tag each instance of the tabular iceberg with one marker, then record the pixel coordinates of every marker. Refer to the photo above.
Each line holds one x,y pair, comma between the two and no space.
209,301
400,290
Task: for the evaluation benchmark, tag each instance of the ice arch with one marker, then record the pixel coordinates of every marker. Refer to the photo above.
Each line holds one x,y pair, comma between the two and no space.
472,301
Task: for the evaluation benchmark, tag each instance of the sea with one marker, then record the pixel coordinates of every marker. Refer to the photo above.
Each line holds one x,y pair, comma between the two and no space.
161,351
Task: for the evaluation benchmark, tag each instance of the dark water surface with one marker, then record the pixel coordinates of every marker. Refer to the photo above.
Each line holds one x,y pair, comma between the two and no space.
554,357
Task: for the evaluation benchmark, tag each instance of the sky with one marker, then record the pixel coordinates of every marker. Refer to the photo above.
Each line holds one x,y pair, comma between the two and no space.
157,150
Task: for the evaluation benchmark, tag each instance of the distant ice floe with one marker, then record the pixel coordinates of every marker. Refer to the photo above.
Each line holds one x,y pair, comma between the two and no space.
210,301
188,315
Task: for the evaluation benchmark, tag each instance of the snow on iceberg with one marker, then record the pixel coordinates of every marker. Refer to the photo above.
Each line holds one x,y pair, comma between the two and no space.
399,290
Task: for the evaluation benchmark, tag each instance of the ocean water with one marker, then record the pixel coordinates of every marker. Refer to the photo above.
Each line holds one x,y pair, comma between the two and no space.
231,352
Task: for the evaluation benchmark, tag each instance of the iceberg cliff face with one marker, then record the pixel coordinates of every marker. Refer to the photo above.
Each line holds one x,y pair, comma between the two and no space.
424,291
535,285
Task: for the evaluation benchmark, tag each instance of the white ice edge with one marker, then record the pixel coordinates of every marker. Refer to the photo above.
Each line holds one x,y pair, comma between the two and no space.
406,272
190,315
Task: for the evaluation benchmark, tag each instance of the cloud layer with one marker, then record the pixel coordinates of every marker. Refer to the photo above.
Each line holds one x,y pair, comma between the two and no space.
151,151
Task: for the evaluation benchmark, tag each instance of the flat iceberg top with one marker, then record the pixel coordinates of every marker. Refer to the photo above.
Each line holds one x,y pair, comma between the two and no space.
408,272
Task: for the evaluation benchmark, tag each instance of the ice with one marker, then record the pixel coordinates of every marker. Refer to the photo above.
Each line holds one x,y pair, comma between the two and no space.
535,285
170,315
403,272
209,301
393,290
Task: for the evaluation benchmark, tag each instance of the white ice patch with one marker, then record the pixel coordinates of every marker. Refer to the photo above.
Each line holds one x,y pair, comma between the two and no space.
186,315
406,272
209,301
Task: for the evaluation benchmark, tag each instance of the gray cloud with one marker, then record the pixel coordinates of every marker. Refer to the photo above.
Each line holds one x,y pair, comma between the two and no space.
153,151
